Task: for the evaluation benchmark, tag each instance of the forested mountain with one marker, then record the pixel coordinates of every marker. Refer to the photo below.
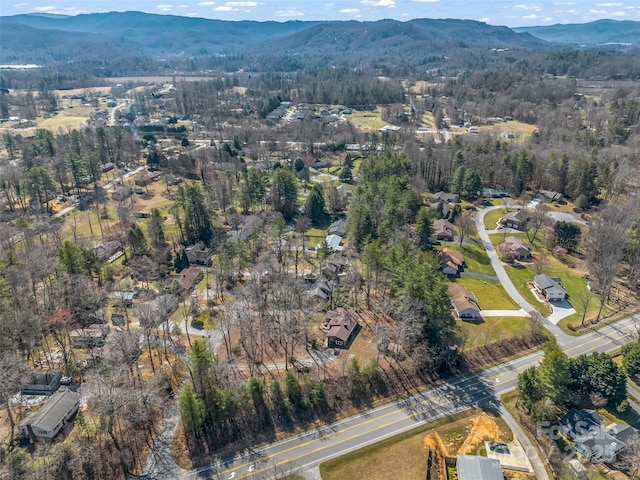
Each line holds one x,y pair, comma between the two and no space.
44,39
599,32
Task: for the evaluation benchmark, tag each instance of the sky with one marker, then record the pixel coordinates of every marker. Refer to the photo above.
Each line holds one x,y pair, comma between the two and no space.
494,12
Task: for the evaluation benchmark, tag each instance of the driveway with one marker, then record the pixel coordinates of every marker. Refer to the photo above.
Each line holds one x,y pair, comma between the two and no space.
560,310
567,217
506,282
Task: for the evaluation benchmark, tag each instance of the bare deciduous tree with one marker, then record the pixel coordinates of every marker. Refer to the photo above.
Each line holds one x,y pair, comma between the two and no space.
464,225
604,247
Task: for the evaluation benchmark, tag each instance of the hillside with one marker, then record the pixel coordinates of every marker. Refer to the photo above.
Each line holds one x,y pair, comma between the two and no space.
51,38
594,33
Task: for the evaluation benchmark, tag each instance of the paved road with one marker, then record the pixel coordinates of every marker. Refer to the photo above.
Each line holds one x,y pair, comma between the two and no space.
115,110
506,282
308,450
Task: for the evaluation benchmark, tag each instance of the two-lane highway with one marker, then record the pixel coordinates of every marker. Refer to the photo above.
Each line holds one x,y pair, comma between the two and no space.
483,388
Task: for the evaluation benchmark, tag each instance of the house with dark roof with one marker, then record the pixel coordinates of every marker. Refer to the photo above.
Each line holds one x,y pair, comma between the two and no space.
199,254
49,419
451,262
341,327
592,439
549,287
444,196
105,251
44,382
90,337
517,220
147,178
464,303
443,230
549,196
339,227
322,288
475,467
523,251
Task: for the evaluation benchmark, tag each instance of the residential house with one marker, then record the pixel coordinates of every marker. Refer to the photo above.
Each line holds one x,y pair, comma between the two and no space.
475,467
440,209
188,278
199,254
444,196
147,178
90,337
549,287
338,227
142,213
107,167
251,224
42,383
452,263
333,242
341,326
549,196
334,265
443,230
322,288
121,193
105,251
523,251
597,443
464,303
49,419
494,193
123,298
517,220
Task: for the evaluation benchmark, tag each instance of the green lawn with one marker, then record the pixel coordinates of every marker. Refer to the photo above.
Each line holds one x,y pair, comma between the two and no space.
491,330
368,119
475,257
490,294
568,270
492,217
402,456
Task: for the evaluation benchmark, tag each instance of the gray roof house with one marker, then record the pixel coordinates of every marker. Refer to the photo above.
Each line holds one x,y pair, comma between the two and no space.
474,467
549,287
43,382
444,196
597,443
199,254
338,227
51,417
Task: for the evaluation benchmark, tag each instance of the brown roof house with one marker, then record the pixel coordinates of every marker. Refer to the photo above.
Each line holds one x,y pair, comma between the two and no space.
464,303
523,251
443,230
549,196
517,220
452,263
188,278
56,412
341,327
147,178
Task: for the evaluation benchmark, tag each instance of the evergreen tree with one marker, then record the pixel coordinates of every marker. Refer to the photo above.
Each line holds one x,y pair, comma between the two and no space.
631,359
314,205
197,218
284,192
554,375
424,228
137,240
192,411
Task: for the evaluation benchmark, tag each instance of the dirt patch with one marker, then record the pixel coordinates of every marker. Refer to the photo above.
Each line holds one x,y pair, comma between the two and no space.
484,427
433,444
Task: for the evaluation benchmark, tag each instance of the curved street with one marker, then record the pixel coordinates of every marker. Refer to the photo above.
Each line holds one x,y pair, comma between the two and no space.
306,451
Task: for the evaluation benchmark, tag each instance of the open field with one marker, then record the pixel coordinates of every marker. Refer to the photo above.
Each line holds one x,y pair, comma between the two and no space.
490,294
157,79
519,129
369,120
491,330
404,456
475,256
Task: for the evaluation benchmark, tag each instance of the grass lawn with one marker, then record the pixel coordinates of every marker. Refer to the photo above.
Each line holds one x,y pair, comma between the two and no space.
315,236
490,294
610,415
492,217
64,122
475,257
402,456
569,270
491,330
370,120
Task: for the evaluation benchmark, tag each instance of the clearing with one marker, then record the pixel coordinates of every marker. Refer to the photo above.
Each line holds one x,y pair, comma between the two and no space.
405,455
368,120
491,294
